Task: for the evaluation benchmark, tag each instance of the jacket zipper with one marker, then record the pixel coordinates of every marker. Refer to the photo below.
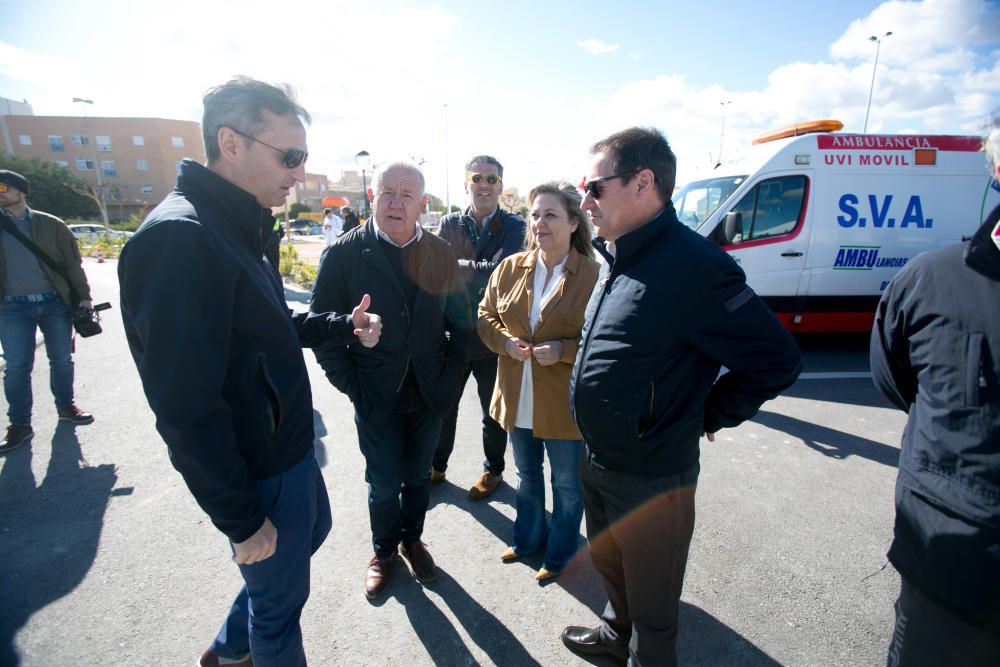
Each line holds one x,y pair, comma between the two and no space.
406,309
590,332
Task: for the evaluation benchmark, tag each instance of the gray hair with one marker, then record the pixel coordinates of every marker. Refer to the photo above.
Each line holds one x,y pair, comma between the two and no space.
382,169
238,104
991,146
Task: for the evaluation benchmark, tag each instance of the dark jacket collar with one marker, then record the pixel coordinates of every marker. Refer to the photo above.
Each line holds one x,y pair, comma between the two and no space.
237,207
982,254
630,246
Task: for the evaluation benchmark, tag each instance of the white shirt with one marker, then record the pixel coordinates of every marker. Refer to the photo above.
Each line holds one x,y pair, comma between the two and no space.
384,236
541,295
332,226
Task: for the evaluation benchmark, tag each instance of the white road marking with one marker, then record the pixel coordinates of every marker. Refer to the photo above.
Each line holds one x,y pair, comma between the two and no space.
846,375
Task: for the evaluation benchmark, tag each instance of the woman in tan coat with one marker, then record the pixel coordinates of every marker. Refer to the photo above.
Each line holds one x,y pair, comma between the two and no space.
531,315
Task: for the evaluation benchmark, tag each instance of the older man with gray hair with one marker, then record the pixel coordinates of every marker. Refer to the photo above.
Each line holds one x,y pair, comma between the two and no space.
935,354
402,387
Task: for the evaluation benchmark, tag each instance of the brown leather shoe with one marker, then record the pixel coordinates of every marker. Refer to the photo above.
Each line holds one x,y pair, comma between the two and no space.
378,575
420,560
437,476
485,486
209,659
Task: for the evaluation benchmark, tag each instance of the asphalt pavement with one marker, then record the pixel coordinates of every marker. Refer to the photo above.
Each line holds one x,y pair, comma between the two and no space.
105,559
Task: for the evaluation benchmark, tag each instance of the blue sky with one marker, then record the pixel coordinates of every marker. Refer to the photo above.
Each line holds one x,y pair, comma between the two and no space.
534,83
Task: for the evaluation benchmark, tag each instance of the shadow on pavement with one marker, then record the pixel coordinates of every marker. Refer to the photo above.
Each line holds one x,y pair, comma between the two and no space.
849,391
443,643
828,441
298,296
50,531
705,641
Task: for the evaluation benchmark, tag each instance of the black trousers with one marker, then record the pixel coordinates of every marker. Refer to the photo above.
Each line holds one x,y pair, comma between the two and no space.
639,530
494,437
929,634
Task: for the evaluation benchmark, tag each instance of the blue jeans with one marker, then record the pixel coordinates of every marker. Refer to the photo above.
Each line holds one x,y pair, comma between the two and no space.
264,618
18,322
398,451
530,532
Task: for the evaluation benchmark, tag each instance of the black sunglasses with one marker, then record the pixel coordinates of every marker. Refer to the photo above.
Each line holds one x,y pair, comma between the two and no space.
290,158
592,187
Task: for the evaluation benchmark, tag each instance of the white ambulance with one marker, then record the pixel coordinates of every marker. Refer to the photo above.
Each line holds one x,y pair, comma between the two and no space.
820,221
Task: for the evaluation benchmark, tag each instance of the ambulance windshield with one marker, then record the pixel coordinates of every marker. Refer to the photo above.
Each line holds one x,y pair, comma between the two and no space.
696,201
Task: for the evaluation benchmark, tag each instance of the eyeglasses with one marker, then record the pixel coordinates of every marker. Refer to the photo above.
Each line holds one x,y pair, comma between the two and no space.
492,179
290,158
592,187
3,188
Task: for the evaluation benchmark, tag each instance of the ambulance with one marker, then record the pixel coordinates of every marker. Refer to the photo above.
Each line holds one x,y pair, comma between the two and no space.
820,221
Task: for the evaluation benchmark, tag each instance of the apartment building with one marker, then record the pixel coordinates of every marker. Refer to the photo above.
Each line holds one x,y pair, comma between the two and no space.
132,160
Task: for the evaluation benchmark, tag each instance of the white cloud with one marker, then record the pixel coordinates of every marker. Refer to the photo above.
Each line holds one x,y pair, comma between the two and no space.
931,78
596,47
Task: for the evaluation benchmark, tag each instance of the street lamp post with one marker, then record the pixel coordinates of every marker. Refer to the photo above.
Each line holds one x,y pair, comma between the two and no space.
447,187
97,166
878,47
364,160
722,134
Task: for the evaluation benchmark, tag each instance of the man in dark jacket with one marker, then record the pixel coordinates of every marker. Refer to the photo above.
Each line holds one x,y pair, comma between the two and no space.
669,310
36,297
220,359
402,387
935,354
482,236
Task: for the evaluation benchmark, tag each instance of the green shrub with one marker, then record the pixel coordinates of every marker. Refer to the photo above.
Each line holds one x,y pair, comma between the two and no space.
291,266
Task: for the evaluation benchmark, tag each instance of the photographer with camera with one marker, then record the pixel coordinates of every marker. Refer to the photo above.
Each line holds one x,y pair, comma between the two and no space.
40,291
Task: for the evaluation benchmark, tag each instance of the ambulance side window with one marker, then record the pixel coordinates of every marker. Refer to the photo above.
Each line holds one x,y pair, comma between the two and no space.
772,208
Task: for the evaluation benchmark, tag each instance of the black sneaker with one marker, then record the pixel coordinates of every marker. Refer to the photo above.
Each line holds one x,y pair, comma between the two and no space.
75,415
17,435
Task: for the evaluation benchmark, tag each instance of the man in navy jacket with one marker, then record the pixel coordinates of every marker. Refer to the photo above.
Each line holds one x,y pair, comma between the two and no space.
482,236
935,354
669,310
220,359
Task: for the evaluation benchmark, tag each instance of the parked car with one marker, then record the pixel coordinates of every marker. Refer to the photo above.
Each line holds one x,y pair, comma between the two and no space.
305,227
92,233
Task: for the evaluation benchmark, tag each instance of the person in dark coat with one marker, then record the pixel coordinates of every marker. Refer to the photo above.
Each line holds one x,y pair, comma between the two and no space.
935,354
482,236
350,219
401,388
669,310
219,355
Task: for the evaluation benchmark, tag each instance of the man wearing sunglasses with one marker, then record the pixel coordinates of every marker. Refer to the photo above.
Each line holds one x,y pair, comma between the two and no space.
35,296
482,236
219,354
669,310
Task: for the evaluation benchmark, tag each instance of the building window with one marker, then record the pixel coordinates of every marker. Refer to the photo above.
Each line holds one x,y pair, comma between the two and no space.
146,189
103,143
25,139
142,165
108,168
56,143
84,164
138,140
79,139
62,163
177,142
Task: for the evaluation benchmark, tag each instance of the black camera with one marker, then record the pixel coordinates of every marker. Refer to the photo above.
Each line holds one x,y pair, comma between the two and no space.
87,322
